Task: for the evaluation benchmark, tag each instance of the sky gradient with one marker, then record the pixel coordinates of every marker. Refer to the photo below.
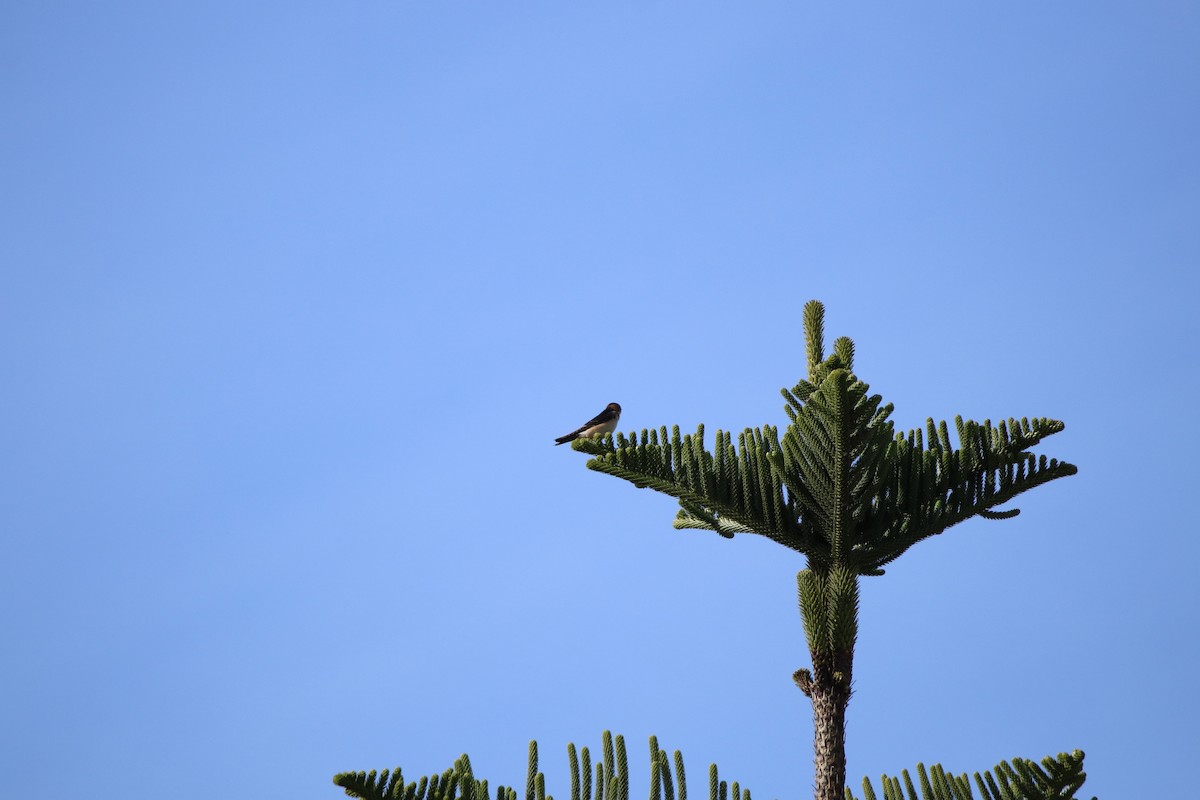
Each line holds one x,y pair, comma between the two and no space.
296,297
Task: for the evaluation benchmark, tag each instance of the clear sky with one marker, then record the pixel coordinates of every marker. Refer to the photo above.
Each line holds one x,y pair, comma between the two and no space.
296,297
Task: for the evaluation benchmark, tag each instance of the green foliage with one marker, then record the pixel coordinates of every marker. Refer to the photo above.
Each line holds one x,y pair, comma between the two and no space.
1019,779
829,608
841,486
456,783
606,780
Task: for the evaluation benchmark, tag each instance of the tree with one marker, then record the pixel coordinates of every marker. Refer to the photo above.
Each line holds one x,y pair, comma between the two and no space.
1019,779
844,490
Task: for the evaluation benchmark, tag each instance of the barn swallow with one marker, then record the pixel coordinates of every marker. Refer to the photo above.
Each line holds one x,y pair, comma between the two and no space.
602,423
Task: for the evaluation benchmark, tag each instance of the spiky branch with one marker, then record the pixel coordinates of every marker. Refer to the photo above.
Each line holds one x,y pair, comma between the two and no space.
895,489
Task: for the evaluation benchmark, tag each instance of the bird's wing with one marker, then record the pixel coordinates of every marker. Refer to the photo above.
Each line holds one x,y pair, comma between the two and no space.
603,416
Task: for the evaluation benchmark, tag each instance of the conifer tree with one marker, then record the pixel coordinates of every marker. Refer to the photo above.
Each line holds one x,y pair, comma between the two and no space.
845,490
841,488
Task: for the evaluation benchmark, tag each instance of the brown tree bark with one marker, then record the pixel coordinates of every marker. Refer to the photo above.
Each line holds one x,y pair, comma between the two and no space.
828,686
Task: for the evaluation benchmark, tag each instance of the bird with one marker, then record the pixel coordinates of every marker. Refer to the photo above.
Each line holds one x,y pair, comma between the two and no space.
602,423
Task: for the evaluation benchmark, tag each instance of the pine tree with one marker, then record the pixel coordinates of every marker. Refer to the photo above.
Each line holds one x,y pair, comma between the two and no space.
851,495
843,489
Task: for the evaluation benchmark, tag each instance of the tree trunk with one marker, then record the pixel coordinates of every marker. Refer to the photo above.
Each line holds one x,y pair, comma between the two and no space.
829,688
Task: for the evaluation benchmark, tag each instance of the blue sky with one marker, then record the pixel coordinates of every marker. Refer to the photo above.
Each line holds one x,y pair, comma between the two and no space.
296,297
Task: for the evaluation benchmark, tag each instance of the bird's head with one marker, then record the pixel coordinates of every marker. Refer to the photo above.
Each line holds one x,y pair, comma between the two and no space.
616,409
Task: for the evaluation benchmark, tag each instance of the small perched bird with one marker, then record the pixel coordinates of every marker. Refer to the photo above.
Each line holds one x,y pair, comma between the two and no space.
602,423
